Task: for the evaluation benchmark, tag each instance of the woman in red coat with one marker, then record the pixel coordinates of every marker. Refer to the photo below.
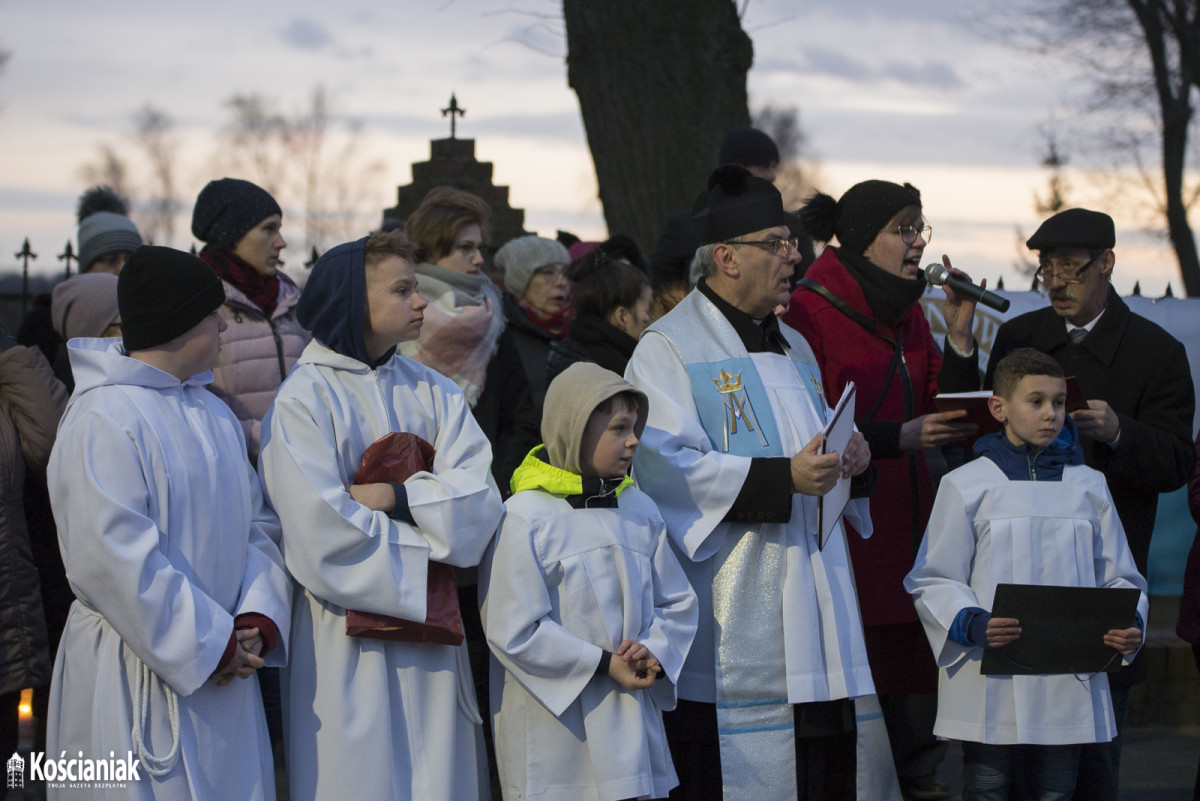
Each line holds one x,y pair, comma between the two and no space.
858,307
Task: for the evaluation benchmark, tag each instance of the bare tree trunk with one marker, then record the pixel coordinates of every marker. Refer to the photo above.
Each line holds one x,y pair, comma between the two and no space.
1173,87
659,85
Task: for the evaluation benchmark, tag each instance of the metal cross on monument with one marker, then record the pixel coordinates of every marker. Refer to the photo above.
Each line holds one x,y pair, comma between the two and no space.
68,255
25,255
452,112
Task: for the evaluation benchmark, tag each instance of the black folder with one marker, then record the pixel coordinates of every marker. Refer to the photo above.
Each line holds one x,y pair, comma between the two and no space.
1062,629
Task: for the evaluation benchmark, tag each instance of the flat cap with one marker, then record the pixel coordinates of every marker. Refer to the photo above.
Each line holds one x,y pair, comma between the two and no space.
1080,228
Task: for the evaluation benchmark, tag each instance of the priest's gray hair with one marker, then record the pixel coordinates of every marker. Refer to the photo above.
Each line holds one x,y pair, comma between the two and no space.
704,262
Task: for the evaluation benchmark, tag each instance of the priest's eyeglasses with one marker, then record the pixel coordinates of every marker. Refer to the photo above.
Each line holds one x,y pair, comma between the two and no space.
1062,271
780,247
909,233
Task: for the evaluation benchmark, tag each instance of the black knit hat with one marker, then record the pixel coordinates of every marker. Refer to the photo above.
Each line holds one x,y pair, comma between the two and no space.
734,204
162,293
1078,228
749,147
859,216
227,209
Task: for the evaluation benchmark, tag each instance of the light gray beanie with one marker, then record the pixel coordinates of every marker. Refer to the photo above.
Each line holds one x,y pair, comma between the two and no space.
521,257
570,400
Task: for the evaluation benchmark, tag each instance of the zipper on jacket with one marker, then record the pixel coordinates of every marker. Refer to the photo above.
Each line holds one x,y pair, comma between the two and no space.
278,350
914,472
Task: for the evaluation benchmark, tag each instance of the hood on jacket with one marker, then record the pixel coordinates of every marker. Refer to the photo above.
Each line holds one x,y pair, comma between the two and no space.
1019,461
570,401
103,362
333,303
536,473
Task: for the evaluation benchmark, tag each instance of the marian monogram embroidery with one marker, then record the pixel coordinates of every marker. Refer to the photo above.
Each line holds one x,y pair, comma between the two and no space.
737,407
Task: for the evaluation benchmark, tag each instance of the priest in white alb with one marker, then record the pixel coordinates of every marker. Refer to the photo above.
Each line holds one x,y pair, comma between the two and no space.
776,698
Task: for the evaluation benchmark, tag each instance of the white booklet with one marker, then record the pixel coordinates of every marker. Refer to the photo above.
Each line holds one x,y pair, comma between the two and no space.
835,437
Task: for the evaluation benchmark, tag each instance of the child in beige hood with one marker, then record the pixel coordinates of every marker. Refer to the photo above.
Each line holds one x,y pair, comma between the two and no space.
585,606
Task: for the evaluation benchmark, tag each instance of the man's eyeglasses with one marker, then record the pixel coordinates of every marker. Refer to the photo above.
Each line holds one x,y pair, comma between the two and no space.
780,247
909,233
1062,271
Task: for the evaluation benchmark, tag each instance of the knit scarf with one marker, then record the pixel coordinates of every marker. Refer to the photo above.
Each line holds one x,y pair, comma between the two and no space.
553,324
462,326
259,289
888,295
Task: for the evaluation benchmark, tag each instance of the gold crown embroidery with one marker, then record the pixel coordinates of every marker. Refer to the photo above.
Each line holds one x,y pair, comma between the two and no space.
727,383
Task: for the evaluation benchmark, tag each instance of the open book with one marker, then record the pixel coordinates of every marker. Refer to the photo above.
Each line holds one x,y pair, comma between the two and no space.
835,436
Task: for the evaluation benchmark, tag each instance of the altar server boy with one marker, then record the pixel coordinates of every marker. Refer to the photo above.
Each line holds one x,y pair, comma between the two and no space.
1028,512
372,718
169,549
585,607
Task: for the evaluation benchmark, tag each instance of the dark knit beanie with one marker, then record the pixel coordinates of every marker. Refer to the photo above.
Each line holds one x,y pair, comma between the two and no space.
104,226
749,147
859,216
1079,228
734,204
163,293
227,209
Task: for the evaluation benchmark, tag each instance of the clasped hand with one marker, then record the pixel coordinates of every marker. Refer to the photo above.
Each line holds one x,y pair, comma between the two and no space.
633,666
246,657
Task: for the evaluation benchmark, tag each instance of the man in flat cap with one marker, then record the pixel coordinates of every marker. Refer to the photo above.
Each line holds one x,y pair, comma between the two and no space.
778,674
1137,427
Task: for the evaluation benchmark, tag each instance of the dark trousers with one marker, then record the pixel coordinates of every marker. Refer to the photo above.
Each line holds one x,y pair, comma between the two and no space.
826,751
909,719
1100,763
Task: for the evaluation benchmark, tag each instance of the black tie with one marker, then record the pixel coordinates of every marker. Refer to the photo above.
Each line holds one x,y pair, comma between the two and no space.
1077,335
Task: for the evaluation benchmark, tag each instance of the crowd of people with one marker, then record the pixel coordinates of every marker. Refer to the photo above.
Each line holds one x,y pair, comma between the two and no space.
579,532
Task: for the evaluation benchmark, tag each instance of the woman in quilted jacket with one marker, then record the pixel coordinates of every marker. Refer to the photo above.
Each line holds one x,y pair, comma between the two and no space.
240,224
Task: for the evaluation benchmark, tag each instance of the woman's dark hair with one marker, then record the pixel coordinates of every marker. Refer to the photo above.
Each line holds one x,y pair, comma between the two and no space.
603,284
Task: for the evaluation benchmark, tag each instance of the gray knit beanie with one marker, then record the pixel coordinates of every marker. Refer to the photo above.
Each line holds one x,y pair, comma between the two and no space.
84,305
572,397
521,257
104,226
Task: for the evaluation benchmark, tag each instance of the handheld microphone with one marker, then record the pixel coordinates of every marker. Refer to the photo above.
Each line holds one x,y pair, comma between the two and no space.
938,275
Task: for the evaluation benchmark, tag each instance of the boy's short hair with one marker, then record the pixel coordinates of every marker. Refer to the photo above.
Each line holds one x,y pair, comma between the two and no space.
442,214
1020,363
386,245
632,400
603,284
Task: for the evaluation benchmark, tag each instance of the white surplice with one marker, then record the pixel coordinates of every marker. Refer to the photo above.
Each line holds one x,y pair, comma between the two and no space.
986,530
368,718
165,538
560,586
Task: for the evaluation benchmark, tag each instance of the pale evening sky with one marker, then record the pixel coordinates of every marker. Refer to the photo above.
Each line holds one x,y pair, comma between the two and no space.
906,92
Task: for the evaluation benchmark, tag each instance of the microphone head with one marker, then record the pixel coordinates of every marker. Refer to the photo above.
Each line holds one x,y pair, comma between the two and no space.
936,273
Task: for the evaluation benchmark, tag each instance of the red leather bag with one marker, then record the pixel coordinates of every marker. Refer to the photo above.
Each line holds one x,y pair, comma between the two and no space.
394,458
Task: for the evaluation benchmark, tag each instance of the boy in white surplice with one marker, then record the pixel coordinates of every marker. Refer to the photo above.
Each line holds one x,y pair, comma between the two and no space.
1028,512
170,551
373,718
585,607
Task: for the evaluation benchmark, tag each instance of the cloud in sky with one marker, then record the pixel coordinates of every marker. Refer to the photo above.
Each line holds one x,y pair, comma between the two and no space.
305,34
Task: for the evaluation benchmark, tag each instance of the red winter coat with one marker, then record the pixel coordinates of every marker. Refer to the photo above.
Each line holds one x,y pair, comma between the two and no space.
847,351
